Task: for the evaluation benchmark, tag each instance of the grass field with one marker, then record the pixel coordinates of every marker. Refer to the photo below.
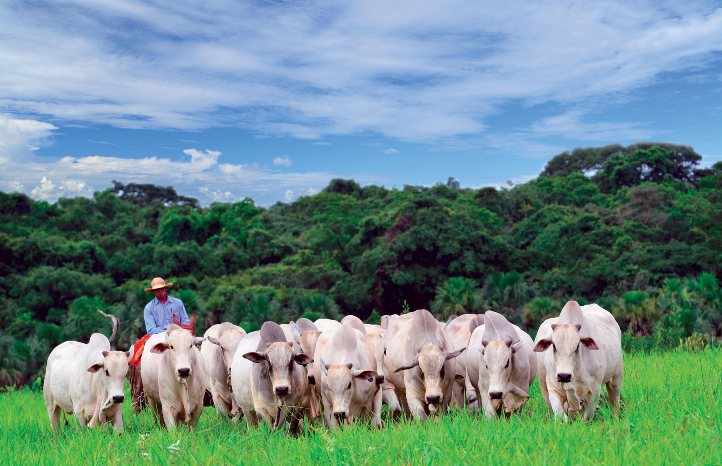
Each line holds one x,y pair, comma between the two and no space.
672,415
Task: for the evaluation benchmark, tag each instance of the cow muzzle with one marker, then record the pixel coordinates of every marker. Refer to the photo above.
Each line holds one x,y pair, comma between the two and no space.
118,399
496,395
282,391
380,379
433,399
340,415
184,372
564,377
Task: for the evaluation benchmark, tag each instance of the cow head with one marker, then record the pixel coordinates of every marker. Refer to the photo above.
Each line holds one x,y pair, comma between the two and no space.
228,342
433,369
281,360
112,368
498,360
342,384
179,342
566,341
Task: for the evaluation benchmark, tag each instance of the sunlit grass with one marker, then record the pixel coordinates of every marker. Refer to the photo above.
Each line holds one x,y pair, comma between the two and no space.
672,414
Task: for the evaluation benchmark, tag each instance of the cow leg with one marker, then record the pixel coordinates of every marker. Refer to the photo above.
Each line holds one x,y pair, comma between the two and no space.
218,401
118,421
54,412
472,397
557,404
195,415
458,394
417,408
545,393
486,405
614,389
251,418
377,404
169,417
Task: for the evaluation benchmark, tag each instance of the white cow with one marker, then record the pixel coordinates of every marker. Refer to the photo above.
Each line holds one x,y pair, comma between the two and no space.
87,380
586,352
174,377
386,388
420,363
326,324
275,382
220,345
501,365
346,367
459,330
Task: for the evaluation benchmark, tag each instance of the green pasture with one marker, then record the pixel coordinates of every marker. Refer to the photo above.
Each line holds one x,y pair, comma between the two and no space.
671,415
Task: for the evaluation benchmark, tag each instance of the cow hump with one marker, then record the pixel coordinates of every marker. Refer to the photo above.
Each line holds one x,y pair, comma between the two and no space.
425,329
497,328
271,332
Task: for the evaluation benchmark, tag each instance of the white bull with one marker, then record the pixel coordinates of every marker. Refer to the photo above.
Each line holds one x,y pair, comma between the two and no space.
586,352
217,351
346,367
501,365
459,330
420,363
86,380
174,376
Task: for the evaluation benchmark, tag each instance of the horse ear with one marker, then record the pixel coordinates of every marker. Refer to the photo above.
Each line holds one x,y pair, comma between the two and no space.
192,320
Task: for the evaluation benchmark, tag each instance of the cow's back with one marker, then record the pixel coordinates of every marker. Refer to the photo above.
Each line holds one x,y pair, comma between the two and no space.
608,336
150,366
61,369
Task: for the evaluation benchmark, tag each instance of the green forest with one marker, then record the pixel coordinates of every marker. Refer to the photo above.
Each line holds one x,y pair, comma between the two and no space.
636,229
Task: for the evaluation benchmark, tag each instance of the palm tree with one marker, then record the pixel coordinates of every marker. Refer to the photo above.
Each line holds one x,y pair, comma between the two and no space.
458,295
538,310
506,293
638,309
11,364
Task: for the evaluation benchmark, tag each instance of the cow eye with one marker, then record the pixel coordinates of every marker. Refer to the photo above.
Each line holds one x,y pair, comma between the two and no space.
422,374
442,372
577,350
555,347
171,346
507,363
349,386
106,373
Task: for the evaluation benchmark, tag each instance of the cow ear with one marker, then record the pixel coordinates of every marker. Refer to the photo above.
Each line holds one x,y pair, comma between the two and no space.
105,353
175,320
366,375
455,353
516,346
590,343
349,365
95,368
408,365
159,348
302,359
324,367
214,341
127,354
542,345
192,321
199,340
554,327
578,326
256,357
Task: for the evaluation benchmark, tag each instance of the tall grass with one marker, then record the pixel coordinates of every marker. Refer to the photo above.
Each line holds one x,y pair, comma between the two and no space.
671,414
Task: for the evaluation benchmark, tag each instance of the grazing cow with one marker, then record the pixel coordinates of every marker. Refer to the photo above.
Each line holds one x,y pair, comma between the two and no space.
217,351
501,365
277,383
386,388
346,365
87,380
424,355
174,375
459,330
586,352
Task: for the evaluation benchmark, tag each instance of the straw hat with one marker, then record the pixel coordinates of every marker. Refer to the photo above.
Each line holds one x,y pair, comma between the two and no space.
158,284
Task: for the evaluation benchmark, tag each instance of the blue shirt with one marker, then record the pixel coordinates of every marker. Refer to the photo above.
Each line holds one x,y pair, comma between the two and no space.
159,316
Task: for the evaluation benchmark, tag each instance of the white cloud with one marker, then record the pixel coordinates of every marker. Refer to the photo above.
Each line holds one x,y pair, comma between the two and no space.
288,196
322,143
312,191
390,151
411,71
282,161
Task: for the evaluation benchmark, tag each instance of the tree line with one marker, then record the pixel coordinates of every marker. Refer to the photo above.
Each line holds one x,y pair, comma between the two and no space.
635,229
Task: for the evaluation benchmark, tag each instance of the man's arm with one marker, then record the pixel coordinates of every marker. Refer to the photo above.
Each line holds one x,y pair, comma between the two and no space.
184,320
151,326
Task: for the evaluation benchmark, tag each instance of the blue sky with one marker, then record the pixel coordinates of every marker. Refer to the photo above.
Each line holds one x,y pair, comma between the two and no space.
224,100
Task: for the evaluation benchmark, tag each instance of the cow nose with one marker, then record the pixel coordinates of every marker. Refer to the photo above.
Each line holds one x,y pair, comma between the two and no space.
380,379
433,399
281,391
312,379
495,395
339,414
185,372
118,398
564,377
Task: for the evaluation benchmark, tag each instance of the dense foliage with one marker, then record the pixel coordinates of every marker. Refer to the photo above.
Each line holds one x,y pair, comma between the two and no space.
635,229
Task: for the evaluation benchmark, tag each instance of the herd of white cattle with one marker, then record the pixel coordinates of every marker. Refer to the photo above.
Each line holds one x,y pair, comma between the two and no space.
343,371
